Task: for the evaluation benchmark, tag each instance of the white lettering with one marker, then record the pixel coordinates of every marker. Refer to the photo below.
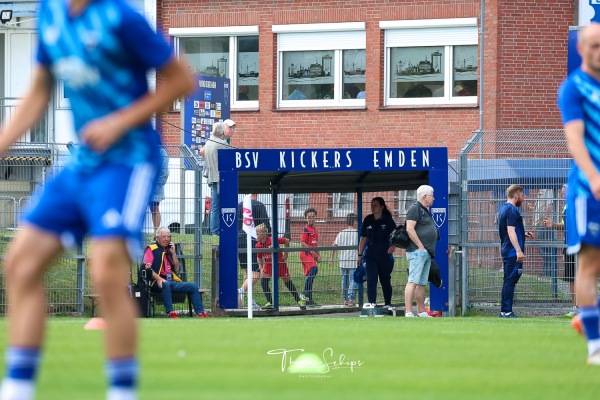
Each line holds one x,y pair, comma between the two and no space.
426,158
336,159
349,164
282,159
413,161
313,157
293,160
238,159
388,159
325,160
375,160
401,158
255,158
247,159
302,159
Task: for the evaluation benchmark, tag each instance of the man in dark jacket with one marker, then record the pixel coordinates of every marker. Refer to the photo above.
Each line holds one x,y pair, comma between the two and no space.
260,216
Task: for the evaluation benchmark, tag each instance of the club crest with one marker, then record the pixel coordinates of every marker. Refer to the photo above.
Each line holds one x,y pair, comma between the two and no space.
228,216
439,216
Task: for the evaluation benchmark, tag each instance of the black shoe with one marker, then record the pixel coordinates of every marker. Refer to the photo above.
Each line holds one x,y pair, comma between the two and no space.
508,315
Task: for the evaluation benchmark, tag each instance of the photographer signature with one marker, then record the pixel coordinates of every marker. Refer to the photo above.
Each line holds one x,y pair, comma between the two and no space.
328,361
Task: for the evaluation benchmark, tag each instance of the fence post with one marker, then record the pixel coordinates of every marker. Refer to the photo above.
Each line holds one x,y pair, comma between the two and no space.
214,286
80,277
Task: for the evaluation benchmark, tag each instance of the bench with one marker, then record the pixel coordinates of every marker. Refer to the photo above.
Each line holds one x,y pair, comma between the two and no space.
94,299
155,298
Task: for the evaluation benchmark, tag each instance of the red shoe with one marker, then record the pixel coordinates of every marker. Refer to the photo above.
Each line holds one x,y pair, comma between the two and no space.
576,324
202,315
173,314
433,313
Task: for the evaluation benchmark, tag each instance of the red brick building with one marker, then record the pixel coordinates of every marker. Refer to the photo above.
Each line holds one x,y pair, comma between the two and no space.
381,49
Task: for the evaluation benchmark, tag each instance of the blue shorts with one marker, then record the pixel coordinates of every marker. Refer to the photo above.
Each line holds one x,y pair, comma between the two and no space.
109,201
583,223
419,262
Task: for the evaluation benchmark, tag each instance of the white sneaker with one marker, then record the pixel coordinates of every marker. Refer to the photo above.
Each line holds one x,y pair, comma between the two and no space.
369,305
255,306
424,315
594,359
409,315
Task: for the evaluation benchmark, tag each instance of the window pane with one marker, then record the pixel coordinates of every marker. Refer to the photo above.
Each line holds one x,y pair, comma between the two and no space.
247,68
300,202
417,72
207,56
354,74
308,75
465,71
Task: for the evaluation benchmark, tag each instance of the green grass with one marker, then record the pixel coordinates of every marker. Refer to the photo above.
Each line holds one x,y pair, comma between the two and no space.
226,358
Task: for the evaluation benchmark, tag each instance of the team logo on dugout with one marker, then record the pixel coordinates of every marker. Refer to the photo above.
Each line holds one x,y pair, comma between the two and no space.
228,215
439,216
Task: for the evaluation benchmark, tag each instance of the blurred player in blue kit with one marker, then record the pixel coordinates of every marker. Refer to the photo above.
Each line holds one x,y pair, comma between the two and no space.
579,102
102,50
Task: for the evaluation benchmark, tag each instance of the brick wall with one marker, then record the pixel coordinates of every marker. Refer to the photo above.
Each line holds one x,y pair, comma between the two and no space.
525,59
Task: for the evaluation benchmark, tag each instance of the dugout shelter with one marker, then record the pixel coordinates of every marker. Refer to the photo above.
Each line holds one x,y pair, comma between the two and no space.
343,170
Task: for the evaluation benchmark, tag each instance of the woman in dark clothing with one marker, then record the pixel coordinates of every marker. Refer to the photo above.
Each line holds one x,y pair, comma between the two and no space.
375,252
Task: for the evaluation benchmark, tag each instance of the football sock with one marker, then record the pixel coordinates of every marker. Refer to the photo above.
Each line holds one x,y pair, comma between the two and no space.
290,285
264,282
590,317
122,378
21,368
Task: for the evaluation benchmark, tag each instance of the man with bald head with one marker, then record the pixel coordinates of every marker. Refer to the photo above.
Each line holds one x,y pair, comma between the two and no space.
579,102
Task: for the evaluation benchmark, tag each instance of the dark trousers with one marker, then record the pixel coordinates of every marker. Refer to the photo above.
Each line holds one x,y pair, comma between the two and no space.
379,268
308,283
512,273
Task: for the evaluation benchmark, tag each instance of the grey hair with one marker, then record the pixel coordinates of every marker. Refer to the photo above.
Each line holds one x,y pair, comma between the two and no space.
423,191
218,129
162,229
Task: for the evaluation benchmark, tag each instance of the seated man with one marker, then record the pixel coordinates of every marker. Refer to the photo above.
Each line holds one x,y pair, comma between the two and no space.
160,258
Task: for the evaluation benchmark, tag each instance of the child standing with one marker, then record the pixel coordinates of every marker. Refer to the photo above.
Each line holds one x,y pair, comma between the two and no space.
265,263
347,259
309,238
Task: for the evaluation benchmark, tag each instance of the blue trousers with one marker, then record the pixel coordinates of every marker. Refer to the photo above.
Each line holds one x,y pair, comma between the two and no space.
215,209
512,273
191,288
381,268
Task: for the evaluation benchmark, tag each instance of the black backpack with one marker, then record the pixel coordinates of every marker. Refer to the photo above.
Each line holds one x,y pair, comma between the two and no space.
399,237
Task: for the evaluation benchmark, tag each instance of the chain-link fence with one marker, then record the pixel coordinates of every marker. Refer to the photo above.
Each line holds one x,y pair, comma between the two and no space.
538,160
336,267
27,167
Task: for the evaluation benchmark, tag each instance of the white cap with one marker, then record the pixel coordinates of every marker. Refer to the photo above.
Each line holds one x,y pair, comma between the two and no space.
229,122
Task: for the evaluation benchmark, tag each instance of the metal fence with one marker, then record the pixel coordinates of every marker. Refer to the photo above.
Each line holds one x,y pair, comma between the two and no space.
538,160
27,167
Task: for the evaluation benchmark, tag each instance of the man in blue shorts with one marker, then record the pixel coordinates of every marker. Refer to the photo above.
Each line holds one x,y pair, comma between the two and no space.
579,102
102,50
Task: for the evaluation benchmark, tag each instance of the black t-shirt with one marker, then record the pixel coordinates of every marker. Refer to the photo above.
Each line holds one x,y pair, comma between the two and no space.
426,229
377,232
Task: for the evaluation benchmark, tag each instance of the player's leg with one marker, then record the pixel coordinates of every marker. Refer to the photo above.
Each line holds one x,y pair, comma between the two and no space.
110,262
155,211
372,278
512,273
27,259
587,276
215,208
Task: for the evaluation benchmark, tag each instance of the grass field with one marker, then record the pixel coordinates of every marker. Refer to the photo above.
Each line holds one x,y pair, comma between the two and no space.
226,358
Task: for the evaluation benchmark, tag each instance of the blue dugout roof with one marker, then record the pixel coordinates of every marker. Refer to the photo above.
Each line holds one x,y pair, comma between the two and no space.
497,174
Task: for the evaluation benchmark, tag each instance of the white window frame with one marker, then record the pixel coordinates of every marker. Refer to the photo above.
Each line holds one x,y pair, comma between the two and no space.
406,198
340,212
410,34
294,212
233,32
291,38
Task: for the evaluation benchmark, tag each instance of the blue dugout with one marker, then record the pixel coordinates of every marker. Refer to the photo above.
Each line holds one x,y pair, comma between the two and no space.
362,170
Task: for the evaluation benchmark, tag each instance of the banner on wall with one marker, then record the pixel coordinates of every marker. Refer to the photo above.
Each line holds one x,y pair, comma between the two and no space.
207,104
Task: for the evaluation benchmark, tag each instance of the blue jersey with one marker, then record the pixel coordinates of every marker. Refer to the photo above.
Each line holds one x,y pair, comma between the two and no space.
579,99
102,55
510,216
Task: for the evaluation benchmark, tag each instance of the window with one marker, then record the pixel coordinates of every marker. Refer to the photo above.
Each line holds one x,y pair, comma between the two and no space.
406,198
299,203
431,61
321,65
343,204
226,52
